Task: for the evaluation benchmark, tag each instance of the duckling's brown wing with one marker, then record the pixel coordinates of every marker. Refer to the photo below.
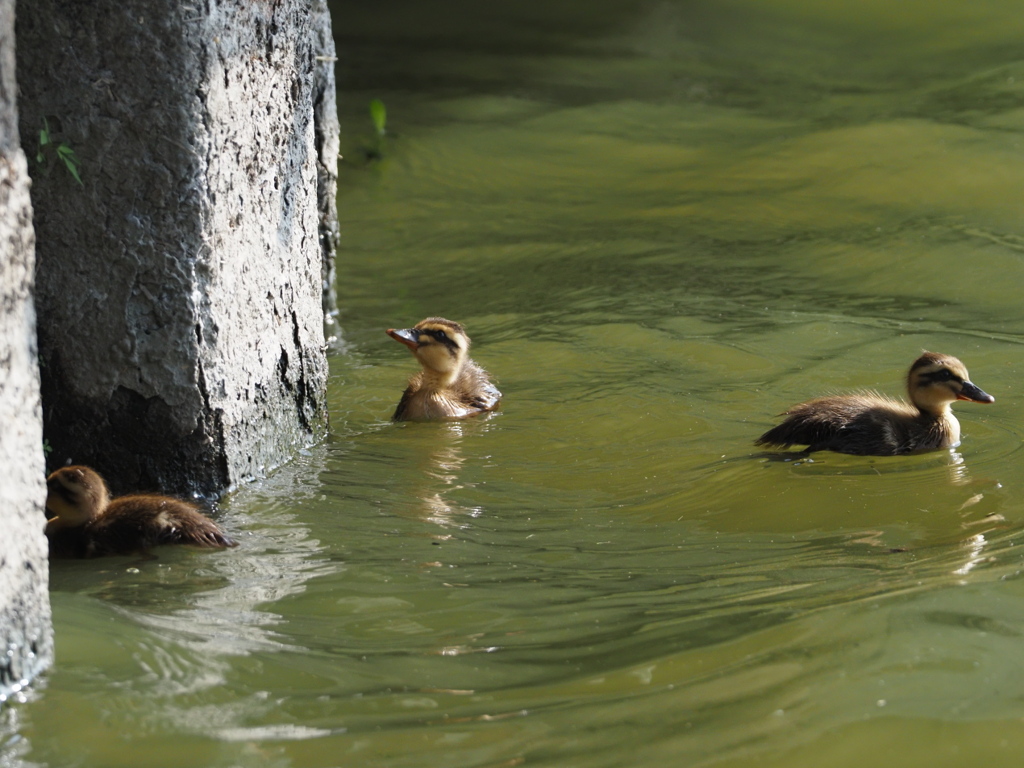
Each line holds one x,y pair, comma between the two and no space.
138,523
486,397
817,423
68,543
864,424
475,390
800,430
402,411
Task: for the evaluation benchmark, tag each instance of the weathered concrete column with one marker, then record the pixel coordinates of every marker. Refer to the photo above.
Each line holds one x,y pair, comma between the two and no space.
25,632
179,285
328,145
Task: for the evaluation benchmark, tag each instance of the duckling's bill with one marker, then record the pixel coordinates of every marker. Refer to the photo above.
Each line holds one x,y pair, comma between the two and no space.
974,394
408,336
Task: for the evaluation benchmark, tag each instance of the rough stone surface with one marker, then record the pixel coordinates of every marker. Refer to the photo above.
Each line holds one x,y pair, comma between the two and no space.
179,286
328,130
25,634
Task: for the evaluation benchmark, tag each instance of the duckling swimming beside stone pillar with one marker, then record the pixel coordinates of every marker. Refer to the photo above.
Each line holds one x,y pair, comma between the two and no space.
85,522
450,386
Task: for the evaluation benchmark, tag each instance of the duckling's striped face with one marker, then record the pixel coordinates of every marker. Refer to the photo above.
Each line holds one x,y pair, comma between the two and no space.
935,380
75,495
440,345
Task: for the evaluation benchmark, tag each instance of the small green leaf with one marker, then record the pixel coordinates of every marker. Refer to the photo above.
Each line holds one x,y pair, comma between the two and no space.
70,160
74,172
379,115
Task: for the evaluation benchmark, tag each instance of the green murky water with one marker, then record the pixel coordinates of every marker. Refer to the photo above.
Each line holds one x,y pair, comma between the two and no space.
662,223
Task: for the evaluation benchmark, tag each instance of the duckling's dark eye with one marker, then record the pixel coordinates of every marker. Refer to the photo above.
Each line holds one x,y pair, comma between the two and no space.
944,375
440,335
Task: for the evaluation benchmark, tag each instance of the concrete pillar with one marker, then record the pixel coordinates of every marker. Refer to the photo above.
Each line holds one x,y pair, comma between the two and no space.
180,282
25,633
327,128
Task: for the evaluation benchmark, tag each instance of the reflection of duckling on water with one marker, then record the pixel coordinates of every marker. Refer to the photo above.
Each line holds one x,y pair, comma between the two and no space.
874,425
84,522
450,386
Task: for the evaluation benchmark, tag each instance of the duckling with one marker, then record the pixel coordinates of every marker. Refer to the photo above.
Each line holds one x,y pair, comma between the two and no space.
85,522
870,424
450,386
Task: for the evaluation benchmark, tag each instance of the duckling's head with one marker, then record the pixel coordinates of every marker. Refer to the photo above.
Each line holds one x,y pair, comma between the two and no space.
935,381
441,346
75,495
